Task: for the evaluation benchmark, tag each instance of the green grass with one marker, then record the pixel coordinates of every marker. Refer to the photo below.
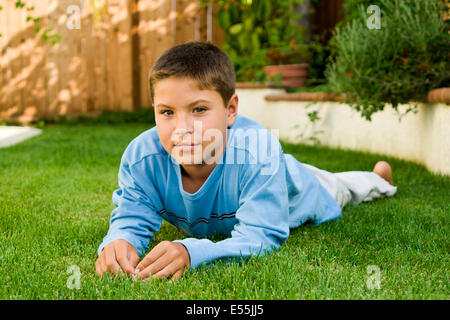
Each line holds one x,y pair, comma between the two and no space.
55,203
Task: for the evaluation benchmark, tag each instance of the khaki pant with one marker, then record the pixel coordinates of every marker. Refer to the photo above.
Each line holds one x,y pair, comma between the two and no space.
354,186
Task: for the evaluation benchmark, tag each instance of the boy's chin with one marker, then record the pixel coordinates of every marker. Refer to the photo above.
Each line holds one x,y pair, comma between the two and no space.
190,161
196,159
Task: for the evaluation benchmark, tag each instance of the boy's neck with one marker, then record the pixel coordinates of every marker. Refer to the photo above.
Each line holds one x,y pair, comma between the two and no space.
197,172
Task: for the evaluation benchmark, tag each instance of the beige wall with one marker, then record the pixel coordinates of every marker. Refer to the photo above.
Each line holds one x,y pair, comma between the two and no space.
423,137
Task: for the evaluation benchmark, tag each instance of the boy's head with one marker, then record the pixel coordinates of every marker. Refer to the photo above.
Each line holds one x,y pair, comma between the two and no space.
201,61
192,88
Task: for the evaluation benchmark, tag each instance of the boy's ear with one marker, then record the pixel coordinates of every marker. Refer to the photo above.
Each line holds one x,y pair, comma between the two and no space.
232,109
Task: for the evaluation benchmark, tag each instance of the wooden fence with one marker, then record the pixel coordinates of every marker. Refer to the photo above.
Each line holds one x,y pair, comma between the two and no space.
325,17
103,65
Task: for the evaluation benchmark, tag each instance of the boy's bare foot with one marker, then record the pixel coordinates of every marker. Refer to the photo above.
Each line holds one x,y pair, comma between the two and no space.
383,169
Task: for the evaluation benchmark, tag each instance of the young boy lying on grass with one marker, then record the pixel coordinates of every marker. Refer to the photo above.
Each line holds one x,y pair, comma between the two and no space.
206,169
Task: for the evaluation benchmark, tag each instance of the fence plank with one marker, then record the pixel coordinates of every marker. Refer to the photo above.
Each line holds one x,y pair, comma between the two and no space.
185,23
155,35
218,36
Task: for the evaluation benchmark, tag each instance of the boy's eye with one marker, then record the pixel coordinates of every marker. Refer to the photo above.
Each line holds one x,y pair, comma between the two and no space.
164,112
200,108
196,110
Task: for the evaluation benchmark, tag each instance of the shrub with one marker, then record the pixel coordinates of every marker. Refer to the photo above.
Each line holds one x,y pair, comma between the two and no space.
143,115
398,63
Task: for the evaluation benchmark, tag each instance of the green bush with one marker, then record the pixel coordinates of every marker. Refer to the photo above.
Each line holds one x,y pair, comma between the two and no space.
142,115
398,63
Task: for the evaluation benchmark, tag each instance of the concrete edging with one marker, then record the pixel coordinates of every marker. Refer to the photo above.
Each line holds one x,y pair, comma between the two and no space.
11,135
440,95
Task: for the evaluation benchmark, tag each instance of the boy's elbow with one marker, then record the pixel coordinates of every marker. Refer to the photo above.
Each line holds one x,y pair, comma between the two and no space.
272,239
272,243
279,234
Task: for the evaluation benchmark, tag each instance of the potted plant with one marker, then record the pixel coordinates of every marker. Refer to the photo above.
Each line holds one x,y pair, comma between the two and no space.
284,68
262,38
287,52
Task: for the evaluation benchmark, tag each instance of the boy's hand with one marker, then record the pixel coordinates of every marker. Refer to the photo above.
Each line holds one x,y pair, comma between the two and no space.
164,260
119,255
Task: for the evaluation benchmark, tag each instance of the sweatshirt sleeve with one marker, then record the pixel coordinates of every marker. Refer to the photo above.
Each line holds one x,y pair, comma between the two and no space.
262,217
134,219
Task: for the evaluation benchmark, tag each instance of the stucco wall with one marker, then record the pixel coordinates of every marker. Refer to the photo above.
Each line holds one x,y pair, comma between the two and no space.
423,137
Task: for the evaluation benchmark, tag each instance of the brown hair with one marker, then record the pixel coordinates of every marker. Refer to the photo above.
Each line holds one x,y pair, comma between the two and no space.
198,60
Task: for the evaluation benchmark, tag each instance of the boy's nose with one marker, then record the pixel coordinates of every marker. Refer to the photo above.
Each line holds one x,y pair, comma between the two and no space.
183,124
180,134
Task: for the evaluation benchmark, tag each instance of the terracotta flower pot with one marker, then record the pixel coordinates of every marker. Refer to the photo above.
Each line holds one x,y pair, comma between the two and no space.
293,75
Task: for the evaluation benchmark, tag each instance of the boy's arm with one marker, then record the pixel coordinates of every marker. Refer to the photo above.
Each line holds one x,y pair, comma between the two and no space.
134,217
262,219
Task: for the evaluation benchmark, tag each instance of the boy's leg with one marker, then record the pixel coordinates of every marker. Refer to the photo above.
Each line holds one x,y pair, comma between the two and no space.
332,184
354,186
366,186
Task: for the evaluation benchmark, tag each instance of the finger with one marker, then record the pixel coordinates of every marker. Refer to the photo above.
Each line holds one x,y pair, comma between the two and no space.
97,268
122,258
110,256
177,275
133,257
101,264
168,271
153,255
156,266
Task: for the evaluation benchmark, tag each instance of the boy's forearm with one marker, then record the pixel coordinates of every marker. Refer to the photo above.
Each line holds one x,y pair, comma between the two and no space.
206,251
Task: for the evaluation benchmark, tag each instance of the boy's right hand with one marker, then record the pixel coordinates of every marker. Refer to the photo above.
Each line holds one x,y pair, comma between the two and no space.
119,255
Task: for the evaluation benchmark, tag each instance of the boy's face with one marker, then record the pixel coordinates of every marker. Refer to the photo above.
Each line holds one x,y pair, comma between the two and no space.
197,118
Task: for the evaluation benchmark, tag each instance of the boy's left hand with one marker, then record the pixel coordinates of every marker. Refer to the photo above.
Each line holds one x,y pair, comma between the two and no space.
166,259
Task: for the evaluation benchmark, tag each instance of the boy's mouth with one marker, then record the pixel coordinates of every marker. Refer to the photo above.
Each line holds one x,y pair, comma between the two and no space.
187,146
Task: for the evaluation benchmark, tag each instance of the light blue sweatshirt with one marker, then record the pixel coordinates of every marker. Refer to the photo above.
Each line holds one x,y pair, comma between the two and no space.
253,196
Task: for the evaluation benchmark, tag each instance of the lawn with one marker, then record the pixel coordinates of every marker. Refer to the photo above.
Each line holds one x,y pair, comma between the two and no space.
55,203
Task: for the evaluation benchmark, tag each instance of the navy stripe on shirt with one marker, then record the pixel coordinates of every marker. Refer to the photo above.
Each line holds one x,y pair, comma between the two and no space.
213,215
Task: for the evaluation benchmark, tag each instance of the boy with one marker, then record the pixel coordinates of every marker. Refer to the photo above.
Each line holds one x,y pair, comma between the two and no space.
206,169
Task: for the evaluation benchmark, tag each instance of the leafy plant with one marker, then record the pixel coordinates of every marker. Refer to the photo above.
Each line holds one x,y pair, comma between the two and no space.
260,33
309,133
398,63
46,36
